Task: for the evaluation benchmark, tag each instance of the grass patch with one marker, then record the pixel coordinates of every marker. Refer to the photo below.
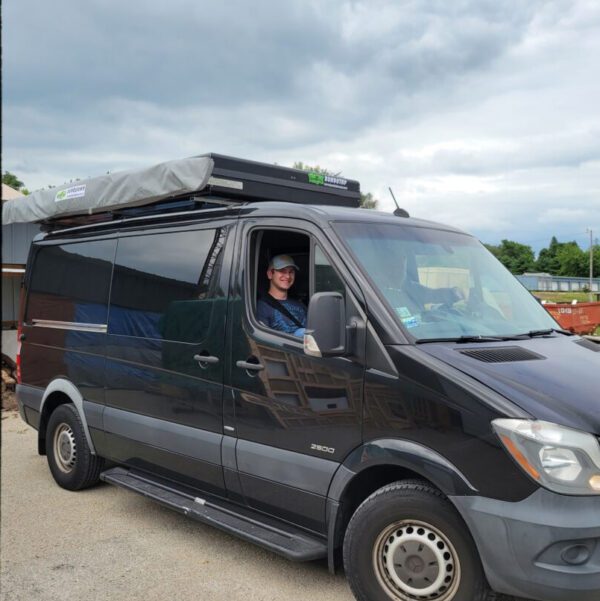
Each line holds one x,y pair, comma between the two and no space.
563,297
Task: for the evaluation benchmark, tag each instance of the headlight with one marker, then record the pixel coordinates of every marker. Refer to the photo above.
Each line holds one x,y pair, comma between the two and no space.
561,459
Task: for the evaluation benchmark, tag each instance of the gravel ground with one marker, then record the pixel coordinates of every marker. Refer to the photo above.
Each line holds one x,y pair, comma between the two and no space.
107,543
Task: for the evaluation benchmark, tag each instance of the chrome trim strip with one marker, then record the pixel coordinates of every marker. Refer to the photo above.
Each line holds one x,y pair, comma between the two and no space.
70,325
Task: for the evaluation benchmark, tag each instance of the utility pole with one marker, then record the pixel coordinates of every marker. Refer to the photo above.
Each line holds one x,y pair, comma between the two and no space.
591,265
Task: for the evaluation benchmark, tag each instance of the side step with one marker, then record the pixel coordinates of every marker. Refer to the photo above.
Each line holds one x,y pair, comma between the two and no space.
285,540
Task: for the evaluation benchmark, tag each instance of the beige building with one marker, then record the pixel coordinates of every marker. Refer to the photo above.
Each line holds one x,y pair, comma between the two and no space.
9,193
16,240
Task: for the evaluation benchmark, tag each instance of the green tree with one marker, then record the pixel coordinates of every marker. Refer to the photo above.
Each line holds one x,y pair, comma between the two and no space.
367,201
585,260
547,261
495,250
10,179
316,169
572,260
564,259
516,257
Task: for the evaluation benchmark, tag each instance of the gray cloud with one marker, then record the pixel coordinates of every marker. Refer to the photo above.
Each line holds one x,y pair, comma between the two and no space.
237,53
473,107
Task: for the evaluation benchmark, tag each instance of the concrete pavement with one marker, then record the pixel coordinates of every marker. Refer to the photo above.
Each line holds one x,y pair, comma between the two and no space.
109,544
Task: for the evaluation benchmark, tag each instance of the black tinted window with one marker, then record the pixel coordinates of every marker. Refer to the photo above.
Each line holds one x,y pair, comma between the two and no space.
70,282
166,285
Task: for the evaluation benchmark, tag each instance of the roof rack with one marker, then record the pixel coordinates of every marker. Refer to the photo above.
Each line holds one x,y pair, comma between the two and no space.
179,185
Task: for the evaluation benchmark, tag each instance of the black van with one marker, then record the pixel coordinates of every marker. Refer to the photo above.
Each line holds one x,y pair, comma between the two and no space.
434,431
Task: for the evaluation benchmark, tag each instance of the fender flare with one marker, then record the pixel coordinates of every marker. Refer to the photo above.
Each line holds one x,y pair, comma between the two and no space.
69,389
408,454
389,452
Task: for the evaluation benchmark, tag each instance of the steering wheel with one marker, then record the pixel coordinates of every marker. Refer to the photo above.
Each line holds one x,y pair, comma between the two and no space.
441,312
480,308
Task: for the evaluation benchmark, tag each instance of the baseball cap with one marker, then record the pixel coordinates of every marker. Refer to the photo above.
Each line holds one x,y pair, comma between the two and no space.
281,261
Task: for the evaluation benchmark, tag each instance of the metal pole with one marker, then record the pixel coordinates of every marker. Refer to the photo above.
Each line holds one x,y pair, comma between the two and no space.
591,265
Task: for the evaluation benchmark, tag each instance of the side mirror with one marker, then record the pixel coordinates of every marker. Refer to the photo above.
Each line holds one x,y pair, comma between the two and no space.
325,334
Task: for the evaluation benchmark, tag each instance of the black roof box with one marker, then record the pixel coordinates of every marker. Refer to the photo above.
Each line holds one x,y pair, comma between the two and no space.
251,180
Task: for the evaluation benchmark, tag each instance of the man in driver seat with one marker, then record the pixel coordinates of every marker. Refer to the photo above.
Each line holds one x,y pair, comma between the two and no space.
409,297
275,309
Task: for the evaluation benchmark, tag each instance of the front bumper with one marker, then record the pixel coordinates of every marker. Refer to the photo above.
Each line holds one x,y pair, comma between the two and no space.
545,547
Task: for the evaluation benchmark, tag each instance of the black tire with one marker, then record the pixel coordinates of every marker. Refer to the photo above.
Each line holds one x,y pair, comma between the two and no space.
72,464
407,542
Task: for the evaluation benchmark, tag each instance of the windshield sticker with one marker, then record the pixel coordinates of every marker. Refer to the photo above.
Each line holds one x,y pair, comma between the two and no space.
403,311
72,192
411,322
407,319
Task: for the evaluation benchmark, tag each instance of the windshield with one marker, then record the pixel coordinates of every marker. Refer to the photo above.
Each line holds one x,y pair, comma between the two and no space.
441,284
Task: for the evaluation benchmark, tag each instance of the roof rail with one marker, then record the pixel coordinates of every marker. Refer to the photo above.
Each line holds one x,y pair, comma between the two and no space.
76,224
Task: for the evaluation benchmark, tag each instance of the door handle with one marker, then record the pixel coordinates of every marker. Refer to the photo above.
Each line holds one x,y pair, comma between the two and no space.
249,366
206,359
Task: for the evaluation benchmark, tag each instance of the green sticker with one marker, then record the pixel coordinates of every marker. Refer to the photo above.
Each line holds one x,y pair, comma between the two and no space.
61,195
316,178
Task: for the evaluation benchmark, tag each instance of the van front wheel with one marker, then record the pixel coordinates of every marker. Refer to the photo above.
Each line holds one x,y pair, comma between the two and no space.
71,462
406,542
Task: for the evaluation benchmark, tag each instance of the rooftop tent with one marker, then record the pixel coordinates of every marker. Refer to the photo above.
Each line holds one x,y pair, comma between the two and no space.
213,174
111,191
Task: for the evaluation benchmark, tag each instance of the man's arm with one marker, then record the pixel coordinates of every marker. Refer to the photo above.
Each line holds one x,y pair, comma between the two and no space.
439,295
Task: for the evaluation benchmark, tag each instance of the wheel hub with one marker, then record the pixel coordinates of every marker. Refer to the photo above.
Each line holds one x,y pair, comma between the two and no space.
65,450
415,561
414,564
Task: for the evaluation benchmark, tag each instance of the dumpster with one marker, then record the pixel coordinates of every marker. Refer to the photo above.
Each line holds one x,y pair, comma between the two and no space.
579,318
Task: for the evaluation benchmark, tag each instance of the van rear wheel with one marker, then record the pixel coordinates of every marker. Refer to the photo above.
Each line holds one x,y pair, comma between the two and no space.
406,543
70,460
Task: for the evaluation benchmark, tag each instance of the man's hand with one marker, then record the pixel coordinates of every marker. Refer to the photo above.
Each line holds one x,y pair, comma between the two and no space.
459,295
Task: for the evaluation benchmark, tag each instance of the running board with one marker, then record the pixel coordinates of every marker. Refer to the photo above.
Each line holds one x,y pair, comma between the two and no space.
282,539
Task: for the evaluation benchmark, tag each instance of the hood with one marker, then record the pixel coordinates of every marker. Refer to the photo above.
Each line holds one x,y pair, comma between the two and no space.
556,378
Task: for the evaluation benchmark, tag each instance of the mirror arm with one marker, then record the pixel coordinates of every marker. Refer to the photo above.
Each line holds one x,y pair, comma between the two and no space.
353,331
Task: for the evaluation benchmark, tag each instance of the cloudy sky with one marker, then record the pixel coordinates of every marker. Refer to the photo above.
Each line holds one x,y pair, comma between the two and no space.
477,113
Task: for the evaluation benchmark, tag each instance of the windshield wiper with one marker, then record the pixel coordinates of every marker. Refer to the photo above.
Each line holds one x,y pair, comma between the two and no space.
547,332
526,336
468,339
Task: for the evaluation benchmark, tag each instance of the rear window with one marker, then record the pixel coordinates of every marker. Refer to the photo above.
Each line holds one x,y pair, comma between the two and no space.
70,282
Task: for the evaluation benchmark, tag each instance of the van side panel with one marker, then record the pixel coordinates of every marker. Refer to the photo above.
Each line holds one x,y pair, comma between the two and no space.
66,315
167,310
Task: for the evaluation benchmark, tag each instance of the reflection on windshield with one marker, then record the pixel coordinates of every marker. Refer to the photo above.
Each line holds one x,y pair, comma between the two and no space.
442,284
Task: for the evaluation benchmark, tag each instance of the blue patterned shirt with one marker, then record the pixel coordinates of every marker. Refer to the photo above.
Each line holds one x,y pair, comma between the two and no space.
276,320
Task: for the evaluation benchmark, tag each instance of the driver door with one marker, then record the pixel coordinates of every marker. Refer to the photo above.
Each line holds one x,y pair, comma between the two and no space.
296,417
